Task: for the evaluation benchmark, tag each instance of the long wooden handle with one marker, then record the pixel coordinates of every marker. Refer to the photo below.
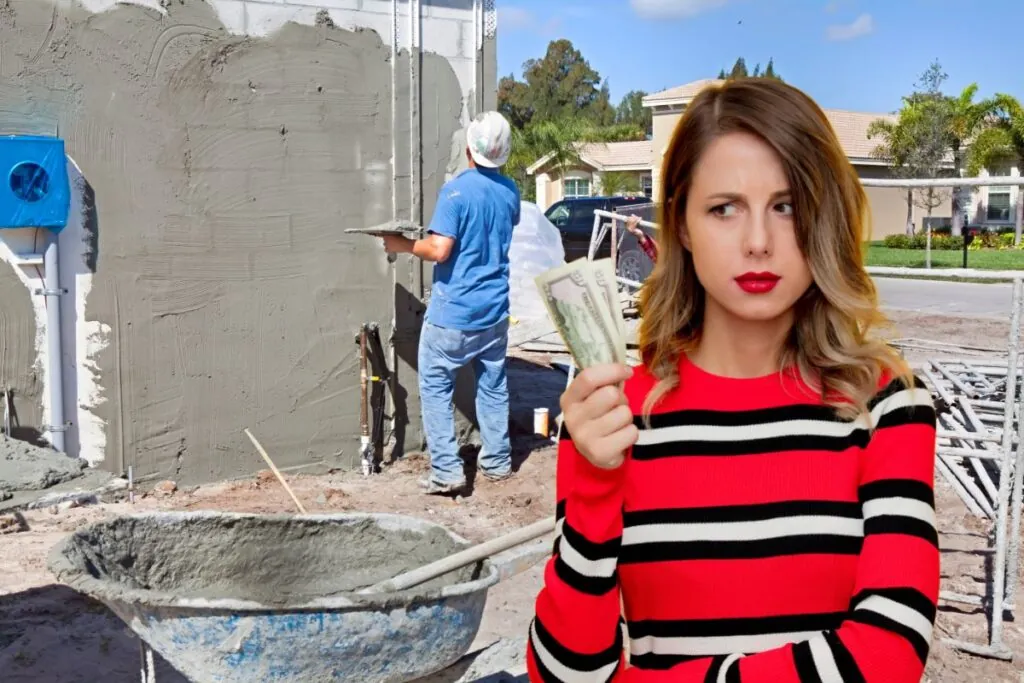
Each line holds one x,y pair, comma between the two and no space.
462,558
273,468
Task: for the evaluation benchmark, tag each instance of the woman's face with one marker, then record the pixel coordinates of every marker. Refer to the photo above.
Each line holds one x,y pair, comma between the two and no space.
740,229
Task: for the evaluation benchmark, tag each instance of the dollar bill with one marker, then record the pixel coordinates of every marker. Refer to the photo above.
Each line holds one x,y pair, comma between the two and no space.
604,274
582,311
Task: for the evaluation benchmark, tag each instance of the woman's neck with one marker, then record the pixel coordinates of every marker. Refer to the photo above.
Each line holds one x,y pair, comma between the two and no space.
732,347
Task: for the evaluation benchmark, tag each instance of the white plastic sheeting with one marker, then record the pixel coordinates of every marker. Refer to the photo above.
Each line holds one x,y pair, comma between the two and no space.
536,247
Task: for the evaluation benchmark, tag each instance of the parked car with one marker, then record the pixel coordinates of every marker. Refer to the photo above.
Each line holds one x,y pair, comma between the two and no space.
574,219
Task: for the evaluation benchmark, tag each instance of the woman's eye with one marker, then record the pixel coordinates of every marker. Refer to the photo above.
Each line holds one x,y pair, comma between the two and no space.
724,210
785,208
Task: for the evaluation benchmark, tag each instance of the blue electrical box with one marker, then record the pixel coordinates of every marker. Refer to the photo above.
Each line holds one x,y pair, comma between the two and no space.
34,187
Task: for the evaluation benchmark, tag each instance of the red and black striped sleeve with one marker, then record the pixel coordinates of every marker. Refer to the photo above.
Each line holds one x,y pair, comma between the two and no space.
886,634
576,632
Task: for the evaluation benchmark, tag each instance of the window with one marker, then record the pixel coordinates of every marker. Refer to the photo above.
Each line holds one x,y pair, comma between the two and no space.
647,184
577,187
559,214
998,204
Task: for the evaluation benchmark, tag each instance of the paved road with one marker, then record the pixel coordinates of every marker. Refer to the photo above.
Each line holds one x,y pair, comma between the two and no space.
946,298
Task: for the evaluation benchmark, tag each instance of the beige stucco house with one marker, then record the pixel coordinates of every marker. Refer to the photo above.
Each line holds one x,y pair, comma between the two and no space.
987,205
586,178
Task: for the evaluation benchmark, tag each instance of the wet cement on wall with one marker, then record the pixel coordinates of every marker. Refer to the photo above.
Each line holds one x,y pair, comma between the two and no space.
225,170
19,372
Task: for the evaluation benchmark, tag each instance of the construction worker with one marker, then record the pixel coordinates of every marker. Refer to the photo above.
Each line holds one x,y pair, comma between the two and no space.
467,318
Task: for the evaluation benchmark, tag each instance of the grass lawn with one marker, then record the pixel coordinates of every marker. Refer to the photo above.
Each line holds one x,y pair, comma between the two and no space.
988,259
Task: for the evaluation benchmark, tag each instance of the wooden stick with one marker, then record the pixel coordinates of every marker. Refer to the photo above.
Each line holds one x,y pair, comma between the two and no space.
462,558
277,473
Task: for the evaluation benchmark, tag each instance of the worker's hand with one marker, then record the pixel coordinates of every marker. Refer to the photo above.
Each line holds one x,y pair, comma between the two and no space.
633,225
597,415
396,244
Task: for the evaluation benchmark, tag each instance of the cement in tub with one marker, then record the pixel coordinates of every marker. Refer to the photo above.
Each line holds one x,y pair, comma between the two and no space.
233,598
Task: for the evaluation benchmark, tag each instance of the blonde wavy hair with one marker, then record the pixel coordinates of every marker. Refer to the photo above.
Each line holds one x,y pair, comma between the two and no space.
831,344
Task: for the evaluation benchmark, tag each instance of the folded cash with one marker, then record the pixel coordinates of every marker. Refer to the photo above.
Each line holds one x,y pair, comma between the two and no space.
582,299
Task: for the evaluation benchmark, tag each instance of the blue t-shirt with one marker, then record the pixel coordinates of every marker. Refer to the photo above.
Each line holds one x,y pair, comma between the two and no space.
478,209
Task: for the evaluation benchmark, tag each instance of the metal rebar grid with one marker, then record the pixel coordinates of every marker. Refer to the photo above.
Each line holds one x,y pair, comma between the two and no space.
980,453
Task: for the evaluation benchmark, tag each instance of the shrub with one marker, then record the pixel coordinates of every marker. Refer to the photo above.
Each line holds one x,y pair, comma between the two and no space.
897,242
920,241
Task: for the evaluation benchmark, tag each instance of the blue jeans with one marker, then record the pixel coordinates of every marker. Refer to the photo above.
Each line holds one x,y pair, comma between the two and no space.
442,352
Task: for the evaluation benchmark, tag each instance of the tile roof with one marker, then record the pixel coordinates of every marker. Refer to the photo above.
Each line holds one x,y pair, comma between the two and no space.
852,130
611,155
687,91
851,127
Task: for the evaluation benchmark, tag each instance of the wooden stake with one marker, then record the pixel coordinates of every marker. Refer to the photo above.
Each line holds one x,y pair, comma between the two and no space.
277,473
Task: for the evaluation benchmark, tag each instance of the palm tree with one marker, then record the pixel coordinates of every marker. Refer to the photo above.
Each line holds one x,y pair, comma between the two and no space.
619,183
561,139
967,120
1002,142
536,140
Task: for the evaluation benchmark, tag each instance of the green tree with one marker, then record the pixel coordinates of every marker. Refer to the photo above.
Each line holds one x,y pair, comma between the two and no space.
914,145
965,120
562,139
615,183
514,101
739,70
631,110
1002,143
601,111
562,83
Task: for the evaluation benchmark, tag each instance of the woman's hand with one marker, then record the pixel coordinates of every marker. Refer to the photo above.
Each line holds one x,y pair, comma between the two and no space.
598,417
633,226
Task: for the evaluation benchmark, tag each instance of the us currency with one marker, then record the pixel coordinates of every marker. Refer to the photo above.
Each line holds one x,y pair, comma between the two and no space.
580,306
604,274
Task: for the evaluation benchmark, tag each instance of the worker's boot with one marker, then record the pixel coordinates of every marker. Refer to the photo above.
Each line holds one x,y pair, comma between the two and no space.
435,487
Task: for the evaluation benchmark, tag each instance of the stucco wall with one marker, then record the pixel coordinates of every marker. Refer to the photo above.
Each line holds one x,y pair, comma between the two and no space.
218,150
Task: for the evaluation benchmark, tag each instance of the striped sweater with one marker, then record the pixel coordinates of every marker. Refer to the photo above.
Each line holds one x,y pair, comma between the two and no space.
752,535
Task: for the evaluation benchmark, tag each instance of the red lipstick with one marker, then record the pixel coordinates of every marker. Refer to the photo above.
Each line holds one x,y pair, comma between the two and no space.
758,283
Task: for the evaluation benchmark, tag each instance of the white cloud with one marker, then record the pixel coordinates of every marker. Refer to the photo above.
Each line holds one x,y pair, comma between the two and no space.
861,26
511,18
674,9
514,17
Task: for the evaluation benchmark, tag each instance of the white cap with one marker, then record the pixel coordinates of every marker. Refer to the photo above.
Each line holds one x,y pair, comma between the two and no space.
489,139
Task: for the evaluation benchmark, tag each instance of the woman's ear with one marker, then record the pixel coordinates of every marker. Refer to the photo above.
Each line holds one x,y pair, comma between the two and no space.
684,237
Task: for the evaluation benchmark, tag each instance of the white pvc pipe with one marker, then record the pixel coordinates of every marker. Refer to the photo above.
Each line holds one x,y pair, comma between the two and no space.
55,366
942,182
621,217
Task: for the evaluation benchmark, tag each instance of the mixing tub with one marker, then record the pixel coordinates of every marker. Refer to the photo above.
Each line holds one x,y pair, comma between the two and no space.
233,598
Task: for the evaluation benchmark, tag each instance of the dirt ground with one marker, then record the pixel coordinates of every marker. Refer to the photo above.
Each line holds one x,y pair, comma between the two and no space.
50,634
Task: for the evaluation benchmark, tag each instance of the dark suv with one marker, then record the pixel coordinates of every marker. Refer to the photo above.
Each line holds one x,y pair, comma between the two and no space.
574,218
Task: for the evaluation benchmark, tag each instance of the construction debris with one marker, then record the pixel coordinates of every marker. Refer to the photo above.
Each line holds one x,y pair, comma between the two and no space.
979,452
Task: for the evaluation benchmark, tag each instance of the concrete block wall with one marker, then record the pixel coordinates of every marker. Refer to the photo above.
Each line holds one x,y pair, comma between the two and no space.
211,286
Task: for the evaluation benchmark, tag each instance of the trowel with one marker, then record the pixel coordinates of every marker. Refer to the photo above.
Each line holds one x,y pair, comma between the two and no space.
398,227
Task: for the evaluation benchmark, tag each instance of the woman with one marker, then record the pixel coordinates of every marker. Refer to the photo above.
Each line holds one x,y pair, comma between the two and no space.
759,493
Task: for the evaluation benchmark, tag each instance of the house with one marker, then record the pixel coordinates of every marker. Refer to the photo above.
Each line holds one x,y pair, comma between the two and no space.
601,168
991,206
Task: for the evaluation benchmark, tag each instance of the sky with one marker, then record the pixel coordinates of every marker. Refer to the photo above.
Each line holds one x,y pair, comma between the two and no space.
860,55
